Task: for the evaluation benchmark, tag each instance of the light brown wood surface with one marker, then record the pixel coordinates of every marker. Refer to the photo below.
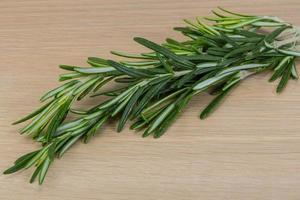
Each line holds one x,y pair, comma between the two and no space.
248,149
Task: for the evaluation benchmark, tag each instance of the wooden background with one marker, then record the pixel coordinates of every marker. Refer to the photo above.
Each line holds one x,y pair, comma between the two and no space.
248,149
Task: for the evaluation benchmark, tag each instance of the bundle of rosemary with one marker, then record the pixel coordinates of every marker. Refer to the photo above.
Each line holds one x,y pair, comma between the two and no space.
156,86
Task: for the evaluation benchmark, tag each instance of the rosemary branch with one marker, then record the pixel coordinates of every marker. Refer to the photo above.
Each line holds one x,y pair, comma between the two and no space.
157,86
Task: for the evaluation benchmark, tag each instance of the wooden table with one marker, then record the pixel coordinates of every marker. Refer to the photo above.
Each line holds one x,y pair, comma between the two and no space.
248,149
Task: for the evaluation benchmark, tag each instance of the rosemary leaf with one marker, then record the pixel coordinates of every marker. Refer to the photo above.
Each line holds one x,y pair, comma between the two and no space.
215,102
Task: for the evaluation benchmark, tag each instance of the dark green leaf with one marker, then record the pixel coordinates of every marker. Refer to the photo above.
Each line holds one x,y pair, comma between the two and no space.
215,102
179,105
86,85
202,85
148,97
140,64
112,93
155,124
67,67
21,162
131,103
230,61
240,50
67,127
157,104
43,171
129,71
212,52
64,77
289,52
97,62
207,41
128,55
284,80
86,91
26,157
201,69
58,118
271,37
294,72
165,64
229,40
246,39
202,57
34,113
125,80
35,174
15,168
94,129
123,104
164,51
280,68
244,23
165,125
53,92
248,34
68,144
101,83
139,124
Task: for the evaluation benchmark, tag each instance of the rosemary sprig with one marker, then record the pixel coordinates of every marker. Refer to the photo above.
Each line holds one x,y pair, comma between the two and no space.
156,86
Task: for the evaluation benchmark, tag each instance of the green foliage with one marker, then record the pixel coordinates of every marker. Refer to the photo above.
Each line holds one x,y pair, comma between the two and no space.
153,88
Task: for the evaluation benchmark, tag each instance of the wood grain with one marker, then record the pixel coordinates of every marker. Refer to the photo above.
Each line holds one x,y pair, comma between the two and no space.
248,149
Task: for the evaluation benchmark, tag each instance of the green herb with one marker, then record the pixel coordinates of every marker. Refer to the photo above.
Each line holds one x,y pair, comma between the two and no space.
154,87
